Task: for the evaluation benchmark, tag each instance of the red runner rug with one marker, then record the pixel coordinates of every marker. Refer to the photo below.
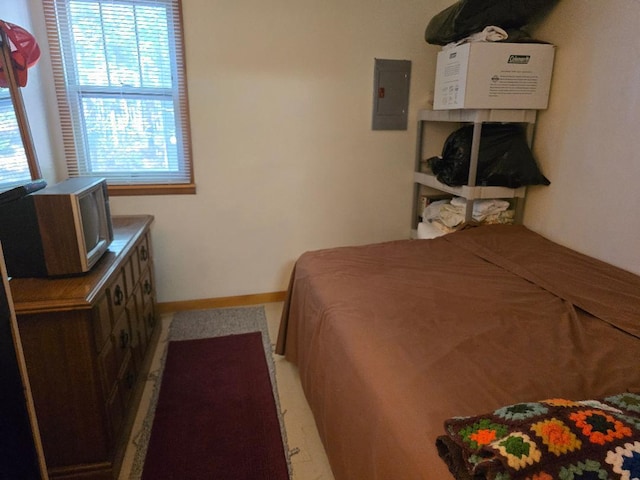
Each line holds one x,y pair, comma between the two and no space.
216,416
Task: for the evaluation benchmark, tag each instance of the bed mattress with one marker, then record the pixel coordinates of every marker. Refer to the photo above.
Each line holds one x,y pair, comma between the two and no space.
392,339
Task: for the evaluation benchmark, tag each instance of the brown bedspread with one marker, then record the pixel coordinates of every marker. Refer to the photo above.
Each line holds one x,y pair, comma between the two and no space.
391,339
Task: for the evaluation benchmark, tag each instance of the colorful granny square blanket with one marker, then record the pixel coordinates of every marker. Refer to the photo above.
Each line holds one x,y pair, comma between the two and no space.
547,440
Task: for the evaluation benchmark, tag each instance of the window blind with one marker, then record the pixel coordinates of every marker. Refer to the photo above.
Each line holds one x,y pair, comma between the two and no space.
119,75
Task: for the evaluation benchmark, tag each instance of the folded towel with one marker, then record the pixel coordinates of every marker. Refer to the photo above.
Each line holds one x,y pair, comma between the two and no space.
459,202
432,211
451,213
491,33
428,230
491,205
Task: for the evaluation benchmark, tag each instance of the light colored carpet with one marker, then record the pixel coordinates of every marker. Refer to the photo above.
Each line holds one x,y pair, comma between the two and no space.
194,324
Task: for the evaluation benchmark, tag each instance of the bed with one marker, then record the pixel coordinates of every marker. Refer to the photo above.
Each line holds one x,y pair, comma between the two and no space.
392,339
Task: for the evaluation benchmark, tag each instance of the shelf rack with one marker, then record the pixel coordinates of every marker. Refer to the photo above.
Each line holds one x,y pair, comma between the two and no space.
470,191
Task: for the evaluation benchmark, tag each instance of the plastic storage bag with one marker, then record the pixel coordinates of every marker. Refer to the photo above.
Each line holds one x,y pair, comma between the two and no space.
470,16
504,158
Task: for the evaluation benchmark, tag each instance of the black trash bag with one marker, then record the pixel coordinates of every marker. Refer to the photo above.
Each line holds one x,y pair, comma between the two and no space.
504,158
466,17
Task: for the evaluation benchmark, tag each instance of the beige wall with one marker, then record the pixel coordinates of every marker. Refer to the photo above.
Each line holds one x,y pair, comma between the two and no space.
588,141
285,161
281,95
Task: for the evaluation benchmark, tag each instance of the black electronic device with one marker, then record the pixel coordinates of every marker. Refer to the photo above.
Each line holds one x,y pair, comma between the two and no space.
21,191
63,229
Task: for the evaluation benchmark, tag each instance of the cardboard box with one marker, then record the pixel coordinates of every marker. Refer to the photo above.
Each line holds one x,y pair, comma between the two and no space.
481,75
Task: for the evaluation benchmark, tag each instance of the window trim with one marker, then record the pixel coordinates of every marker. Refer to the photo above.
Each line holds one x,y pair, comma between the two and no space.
181,104
153,189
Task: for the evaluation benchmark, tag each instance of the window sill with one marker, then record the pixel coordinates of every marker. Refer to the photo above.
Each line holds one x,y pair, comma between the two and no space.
156,189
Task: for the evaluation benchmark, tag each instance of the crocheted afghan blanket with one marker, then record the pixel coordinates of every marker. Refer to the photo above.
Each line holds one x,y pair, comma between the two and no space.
551,439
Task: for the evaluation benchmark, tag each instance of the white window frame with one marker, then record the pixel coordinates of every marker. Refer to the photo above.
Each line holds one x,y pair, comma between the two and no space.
71,94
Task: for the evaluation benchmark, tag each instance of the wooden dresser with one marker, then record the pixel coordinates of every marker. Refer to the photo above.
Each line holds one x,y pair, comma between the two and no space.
85,342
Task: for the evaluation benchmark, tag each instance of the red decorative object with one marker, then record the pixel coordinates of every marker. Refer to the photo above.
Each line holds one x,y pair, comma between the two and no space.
25,52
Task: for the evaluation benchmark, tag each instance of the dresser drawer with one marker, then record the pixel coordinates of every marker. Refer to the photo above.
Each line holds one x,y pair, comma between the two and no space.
150,319
101,319
115,413
131,275
117,294
120,396
134,309
109,366
121,338
144,252
147,287
127,379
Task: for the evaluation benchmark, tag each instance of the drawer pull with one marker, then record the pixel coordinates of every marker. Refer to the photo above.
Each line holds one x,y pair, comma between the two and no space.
118,295
144,254
124,339
147,287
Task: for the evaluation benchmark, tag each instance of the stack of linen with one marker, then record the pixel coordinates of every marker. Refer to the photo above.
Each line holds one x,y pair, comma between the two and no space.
445,216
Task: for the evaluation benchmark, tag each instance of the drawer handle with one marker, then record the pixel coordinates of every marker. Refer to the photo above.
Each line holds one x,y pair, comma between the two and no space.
118,295
147,287
124,339
144,254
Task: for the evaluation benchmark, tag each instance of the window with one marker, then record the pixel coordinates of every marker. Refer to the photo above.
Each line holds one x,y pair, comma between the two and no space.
120,81
14,168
